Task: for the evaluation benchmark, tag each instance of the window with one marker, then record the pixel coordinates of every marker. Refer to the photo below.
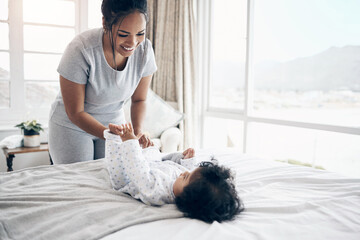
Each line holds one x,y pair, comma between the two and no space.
227,72
34,34
283,79
224,132
95,15
333,151
307,68
30,51
47,28
4,57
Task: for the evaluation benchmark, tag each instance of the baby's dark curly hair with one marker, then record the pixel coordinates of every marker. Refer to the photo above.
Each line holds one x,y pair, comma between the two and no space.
211,196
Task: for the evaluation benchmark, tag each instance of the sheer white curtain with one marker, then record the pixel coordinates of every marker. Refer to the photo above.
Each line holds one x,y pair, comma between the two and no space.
172,32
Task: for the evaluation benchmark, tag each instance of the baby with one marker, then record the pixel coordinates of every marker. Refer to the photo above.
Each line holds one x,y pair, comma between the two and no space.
206,193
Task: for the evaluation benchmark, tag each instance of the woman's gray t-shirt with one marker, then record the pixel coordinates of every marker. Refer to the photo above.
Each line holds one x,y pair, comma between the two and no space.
106,90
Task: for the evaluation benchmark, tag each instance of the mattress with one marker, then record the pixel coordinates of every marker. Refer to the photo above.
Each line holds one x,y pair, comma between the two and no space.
282,201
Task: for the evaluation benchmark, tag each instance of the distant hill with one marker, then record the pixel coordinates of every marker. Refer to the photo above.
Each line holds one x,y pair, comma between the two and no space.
334,69
4,73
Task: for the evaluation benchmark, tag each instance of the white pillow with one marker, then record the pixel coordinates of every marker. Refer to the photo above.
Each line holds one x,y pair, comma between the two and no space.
159,115
12,141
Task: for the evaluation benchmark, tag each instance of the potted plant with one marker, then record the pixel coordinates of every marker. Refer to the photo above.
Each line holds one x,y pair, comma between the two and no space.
31,131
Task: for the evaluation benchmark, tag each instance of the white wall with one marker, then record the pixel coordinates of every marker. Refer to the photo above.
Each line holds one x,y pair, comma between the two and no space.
24,160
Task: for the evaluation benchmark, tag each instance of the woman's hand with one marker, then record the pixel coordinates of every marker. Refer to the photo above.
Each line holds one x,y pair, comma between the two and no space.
144,140
138,110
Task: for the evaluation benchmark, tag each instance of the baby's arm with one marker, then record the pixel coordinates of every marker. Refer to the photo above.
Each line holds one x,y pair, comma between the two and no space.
186,158
174,157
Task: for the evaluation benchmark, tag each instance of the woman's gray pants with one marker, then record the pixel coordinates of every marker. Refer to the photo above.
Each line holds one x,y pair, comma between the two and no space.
67,145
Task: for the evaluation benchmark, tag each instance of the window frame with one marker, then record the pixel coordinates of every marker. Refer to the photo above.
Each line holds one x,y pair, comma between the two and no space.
8,52
17,110
204,13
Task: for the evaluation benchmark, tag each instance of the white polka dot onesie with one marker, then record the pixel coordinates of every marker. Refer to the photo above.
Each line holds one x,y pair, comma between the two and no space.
141,172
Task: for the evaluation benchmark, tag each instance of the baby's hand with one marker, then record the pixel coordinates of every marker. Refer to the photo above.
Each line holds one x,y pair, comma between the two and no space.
189,153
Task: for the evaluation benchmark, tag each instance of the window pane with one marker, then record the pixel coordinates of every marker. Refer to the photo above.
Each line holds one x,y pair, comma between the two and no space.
4,65
4,9
221,133
4,94
228,54
95,15
307,69
48,39
4,33
41,66
335,152
49,12
40,95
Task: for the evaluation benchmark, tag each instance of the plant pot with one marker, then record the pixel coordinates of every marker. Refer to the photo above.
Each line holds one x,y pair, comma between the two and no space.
31,138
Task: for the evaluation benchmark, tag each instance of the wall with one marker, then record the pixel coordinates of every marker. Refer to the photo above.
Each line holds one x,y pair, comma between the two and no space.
26,160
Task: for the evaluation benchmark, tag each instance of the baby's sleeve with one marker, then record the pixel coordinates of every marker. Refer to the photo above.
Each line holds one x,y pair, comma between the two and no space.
178,157
174,157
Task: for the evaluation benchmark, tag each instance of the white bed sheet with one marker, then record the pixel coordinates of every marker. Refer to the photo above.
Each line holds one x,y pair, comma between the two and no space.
282,201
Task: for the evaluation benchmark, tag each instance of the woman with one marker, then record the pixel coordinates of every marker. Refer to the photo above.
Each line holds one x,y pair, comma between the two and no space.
99,70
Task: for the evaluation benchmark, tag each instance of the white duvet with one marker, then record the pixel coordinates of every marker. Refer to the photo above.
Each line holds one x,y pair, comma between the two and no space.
281,201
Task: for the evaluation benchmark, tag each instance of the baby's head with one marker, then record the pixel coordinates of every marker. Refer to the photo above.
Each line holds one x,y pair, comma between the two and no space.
207,193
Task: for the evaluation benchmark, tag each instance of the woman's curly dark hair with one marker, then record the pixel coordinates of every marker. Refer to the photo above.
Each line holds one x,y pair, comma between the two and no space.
211,196
113,10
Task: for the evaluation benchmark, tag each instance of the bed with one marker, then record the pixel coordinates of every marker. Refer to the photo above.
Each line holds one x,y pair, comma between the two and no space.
281,201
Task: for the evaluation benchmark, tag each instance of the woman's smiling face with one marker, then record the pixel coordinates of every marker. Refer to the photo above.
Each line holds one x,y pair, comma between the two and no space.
130,34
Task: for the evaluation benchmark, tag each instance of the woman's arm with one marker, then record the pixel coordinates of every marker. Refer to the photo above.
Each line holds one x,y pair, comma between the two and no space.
138,104
73,95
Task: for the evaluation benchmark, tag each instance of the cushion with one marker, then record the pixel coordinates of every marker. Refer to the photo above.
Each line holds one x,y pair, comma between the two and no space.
159,115
12,141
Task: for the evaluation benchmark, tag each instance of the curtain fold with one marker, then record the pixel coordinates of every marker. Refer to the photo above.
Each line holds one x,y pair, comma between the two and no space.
171,30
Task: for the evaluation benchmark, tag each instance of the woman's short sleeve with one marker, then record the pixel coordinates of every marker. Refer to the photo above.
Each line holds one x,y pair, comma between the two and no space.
150,63
73,64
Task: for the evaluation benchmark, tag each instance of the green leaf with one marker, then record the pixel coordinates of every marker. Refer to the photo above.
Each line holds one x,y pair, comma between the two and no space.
30,125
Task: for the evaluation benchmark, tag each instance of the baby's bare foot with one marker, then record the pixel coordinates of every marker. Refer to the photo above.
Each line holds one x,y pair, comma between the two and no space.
125,131
189,153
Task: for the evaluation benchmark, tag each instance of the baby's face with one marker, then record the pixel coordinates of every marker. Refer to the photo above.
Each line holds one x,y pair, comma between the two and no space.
183,180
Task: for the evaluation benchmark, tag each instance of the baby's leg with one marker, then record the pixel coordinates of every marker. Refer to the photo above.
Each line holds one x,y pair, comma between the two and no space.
113,156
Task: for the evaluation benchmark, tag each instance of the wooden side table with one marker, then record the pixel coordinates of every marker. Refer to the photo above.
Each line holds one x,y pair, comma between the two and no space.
10,153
